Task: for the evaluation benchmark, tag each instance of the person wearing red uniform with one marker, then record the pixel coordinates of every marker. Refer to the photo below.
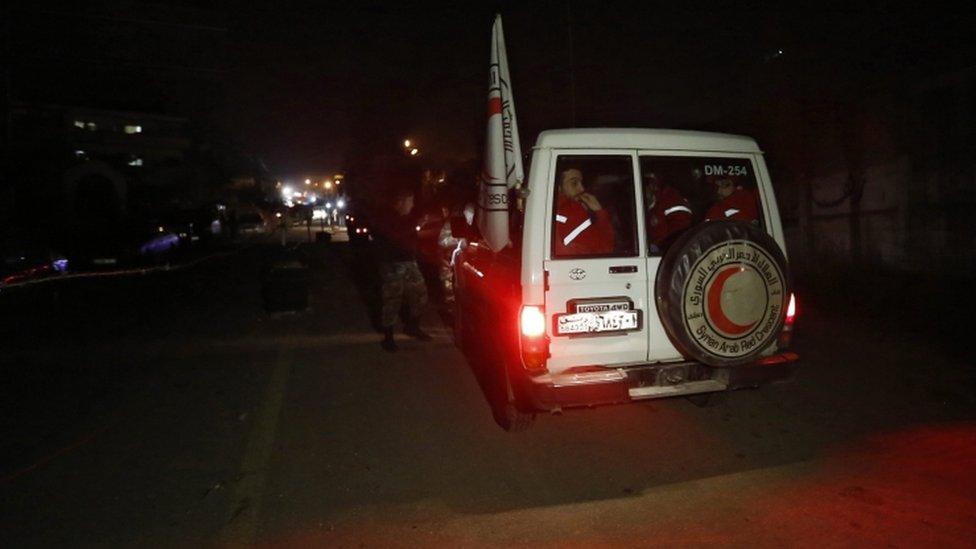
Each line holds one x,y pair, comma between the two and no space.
582,225
735,203
668,213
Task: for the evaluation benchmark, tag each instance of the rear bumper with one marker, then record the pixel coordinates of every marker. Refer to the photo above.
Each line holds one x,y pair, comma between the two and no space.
650,381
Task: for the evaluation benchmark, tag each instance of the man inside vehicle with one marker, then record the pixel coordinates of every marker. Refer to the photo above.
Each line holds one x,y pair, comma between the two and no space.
735,202
668,212
582,225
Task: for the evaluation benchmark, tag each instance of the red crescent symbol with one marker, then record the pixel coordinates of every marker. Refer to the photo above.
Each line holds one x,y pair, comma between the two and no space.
715,312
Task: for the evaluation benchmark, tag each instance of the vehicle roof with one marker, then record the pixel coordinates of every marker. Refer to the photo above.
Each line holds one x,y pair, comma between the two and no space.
642,138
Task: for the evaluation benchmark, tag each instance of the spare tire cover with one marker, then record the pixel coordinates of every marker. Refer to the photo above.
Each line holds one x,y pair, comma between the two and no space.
722,291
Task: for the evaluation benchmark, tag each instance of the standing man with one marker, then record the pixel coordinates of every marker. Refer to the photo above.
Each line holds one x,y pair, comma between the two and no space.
395,244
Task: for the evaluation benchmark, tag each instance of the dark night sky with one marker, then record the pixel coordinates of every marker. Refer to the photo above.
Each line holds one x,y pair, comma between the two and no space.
309,83
314,82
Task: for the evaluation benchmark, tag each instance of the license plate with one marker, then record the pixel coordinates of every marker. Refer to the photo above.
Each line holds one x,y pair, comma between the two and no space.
602,307
589,323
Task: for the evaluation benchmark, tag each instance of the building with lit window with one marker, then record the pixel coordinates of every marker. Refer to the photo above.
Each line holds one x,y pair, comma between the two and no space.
106,104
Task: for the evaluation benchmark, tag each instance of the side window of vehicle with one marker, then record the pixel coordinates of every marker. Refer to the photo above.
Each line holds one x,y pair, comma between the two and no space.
682,191
594,214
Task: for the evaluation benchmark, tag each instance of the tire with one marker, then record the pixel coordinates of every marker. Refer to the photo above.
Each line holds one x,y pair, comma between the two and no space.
506,410
513,420
506,404
721,293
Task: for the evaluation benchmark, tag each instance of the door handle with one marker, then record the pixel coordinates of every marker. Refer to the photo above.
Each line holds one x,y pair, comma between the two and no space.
619,269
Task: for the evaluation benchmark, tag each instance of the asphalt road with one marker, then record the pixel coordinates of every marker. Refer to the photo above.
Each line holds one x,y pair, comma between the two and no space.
171,410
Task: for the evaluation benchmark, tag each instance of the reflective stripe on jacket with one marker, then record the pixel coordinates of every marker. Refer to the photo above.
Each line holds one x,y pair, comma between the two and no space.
581,232
741,205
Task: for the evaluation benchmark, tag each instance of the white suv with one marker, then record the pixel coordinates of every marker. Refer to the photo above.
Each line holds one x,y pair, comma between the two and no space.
649,264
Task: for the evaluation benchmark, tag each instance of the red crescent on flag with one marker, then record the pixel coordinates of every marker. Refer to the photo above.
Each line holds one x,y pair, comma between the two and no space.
715,312
494,106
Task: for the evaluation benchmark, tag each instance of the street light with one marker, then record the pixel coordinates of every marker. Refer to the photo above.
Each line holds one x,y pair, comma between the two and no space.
328,184
414,152
308,181
406,143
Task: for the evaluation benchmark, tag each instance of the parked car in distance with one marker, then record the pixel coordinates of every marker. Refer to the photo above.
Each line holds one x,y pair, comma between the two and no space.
358,228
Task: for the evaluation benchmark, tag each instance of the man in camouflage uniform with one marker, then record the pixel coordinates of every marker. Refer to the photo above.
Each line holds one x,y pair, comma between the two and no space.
395,244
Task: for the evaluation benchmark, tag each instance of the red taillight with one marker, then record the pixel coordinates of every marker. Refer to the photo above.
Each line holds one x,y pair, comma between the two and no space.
791,310
532,321
533,341
786,336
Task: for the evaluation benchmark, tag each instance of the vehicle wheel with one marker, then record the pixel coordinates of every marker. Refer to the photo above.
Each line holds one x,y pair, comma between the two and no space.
722,291
504,399
505,408
511,419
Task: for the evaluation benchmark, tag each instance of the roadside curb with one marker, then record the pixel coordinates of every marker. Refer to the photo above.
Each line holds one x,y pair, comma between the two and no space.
122,272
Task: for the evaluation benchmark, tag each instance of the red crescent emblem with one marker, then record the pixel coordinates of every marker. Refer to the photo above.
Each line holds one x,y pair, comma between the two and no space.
715,312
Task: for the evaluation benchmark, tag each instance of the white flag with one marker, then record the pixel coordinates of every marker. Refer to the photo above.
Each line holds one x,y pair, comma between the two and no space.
503,153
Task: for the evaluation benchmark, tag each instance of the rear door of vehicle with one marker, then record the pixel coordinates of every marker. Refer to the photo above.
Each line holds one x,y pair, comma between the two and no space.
689,174
595,280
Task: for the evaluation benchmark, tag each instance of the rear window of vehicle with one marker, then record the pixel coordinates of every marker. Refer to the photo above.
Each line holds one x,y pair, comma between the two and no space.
682,191
594,207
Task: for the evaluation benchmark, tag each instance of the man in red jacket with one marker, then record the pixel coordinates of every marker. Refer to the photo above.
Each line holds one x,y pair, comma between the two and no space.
735,203
668,213
582,225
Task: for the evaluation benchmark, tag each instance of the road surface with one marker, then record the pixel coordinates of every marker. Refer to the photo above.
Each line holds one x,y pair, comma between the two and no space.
171,410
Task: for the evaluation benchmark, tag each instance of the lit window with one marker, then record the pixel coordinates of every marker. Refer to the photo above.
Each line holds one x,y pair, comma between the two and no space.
79,154
133,129
135,161
91,126
79,124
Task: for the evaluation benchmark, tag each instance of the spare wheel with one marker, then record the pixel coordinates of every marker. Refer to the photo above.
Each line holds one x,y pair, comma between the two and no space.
722,291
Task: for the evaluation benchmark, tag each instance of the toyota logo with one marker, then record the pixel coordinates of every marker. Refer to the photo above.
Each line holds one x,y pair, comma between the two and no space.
577,274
